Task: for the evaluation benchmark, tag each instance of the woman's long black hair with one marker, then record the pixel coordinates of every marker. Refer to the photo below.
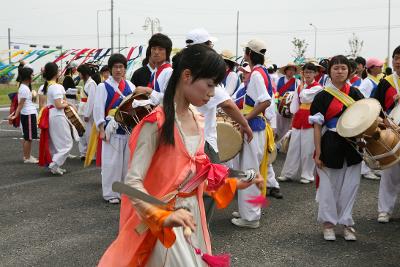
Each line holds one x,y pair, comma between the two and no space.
49,72
203,63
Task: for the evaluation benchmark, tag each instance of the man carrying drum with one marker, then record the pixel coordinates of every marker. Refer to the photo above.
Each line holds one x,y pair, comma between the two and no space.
387,93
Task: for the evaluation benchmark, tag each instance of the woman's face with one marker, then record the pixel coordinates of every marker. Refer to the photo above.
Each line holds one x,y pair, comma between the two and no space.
199,92
339,73
309,76
290,72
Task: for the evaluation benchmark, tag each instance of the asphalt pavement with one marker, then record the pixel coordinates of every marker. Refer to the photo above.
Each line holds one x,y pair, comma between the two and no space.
48,220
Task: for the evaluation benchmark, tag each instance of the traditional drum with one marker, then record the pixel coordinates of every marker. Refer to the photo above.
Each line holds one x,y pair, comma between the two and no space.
284,104
75,120
229,138
394,115
132,110
378,141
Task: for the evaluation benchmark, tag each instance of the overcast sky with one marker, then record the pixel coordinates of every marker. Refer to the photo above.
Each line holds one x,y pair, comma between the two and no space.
72,23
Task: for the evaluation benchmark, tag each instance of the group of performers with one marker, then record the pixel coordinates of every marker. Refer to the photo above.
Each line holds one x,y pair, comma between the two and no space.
168,155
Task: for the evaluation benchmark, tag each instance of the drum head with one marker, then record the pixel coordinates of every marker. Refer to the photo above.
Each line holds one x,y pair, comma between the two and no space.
229,141
395,114
357,118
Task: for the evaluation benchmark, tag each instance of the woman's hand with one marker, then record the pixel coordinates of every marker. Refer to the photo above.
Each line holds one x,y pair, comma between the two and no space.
246,130
143,90
258,180
318,162
12,116
180,217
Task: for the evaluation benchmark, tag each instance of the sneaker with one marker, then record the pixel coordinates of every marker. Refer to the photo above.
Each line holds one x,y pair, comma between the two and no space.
329,234
235,214
70,156
283,179
349,233
276,193
56,170
63,170
383,217
31,160
83,158
371,176
113,201
305,181
245,223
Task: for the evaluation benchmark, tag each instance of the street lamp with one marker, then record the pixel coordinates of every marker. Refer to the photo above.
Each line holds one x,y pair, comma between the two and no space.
126,38
98,34
315,39
153,24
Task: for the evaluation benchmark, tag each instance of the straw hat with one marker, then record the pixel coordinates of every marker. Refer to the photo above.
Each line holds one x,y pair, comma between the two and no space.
358,118
282,70
228,55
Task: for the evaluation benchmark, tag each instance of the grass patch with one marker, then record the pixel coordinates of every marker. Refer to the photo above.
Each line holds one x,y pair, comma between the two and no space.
5,89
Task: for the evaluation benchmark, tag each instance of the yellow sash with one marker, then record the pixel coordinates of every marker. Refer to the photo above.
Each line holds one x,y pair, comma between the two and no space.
268,148
390,79
339,95
92,146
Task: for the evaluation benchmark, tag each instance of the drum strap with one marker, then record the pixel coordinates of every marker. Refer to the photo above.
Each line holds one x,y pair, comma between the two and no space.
339,95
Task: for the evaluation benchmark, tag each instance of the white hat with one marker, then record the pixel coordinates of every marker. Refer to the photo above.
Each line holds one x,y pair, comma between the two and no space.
28,66
199,36
257,46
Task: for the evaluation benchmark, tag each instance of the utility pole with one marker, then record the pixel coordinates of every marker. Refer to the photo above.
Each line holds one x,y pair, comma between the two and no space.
388,32
119,35
237,34
315,39
112,26
9,45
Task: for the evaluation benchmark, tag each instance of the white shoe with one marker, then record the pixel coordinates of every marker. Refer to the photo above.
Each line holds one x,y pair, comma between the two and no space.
371,176
63,170
383,217
329,234
70,156
349,233
235,214
283,179
31,160
305,181
56,170
245,223
113,201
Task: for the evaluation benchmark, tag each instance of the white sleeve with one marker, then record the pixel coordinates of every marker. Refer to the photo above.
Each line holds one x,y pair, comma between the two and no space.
365,88
307,96
220,95
59,91
258,91
231,83
99,106
23,92
162,80
90,101
40,90
145,148
295,104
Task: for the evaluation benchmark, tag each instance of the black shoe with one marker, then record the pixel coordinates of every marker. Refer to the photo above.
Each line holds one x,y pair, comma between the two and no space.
276,193
83,158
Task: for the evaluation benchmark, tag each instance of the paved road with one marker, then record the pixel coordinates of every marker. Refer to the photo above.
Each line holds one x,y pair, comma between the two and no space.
47,220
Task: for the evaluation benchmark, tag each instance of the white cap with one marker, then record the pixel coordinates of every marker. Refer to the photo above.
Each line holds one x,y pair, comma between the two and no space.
257,46
28,66
199,36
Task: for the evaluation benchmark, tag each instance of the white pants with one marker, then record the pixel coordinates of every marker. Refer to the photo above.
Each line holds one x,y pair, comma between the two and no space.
84,139
60,139
389,188
300,155
364,168
250,157
271,181
283,125
114,163
336,194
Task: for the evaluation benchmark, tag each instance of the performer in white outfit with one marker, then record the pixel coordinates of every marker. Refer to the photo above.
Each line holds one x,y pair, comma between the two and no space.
387,94
338,163
299,157
56,137
85,109
231,81
115,149
287,83
255,101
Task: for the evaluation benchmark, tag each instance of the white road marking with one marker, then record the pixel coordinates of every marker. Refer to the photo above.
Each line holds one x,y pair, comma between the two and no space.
6,130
